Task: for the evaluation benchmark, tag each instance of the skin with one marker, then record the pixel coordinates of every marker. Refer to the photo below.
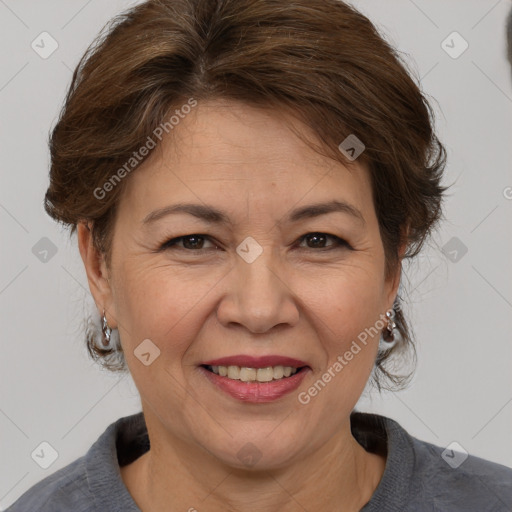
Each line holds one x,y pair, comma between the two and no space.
295,299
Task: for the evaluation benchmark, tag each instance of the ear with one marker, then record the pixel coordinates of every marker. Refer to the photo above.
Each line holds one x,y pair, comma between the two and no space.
97,273
395,278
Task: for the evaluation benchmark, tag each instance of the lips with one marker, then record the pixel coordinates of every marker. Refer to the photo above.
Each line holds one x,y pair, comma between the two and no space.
256,391
256,361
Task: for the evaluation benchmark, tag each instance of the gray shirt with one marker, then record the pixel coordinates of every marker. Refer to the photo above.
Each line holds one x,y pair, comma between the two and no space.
418,476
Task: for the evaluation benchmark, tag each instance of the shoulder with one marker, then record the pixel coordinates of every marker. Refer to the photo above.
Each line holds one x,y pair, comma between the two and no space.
62,491
423,477
455,480
92,483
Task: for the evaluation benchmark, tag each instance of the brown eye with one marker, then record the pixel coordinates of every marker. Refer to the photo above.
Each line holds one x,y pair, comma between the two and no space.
192,243
318,240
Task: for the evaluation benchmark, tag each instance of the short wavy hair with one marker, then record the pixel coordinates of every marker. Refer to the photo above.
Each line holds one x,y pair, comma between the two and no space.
320,60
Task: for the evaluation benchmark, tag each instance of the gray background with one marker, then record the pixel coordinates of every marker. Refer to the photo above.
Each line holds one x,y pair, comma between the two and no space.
461,310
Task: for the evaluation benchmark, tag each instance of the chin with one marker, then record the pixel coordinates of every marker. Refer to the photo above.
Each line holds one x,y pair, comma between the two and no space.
255,453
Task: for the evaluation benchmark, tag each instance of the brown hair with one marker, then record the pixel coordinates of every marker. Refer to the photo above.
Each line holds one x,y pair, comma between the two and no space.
320,60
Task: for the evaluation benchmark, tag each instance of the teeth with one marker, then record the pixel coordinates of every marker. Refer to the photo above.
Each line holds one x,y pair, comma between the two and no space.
264,374
248,374
279,372
254,374
233,372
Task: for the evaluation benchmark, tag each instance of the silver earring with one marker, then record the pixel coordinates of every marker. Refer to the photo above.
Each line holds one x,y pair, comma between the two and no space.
106,331
390,335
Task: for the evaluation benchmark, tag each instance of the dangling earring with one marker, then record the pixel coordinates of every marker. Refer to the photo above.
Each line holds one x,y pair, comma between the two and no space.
106,330
390,335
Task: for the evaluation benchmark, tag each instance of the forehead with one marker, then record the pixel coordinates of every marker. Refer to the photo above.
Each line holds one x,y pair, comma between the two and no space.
224,150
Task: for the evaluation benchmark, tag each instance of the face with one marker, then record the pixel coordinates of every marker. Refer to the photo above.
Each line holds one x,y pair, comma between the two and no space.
266,282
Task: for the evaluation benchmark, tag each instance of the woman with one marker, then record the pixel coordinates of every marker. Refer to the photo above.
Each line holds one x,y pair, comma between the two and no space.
245,179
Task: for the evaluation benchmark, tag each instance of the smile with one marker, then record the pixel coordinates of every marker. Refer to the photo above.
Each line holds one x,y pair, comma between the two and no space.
259,385
246,374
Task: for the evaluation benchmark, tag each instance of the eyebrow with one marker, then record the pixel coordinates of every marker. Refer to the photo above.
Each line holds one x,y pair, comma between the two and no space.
212,215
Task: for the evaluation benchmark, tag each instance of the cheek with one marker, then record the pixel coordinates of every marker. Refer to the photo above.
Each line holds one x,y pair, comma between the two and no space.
347,317
171,304
348,327
359,302
349,296
160,303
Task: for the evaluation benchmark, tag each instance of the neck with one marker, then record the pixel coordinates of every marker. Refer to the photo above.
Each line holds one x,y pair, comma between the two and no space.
341,475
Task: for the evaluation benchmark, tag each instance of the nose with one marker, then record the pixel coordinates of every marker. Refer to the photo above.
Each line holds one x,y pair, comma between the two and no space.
260,296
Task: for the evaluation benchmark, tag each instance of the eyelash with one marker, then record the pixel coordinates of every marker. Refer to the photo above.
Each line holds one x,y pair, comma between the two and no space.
171,243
